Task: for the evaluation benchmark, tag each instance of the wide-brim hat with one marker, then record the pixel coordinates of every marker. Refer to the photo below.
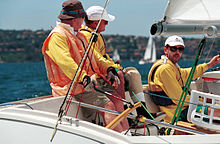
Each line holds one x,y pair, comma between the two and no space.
72,9
174,41
95,12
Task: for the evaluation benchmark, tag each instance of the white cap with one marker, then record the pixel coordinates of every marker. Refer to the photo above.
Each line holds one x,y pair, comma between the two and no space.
174,41
95,12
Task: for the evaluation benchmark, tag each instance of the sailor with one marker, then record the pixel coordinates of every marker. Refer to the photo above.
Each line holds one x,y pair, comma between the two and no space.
106,64
166,78
63,51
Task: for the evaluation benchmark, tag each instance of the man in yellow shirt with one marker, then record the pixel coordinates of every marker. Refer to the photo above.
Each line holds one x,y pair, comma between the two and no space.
63,50
166,78
106,64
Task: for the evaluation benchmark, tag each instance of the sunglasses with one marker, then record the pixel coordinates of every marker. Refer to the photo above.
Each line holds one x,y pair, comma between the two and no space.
174,49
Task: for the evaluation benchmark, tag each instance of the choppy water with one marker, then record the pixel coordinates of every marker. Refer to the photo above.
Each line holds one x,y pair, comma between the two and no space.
27,80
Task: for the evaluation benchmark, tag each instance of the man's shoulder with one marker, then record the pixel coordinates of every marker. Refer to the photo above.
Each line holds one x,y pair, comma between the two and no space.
163,64
85,32
56,35
165,68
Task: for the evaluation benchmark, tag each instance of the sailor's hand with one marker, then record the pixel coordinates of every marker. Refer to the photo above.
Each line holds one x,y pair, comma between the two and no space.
214,61
112,76
89,83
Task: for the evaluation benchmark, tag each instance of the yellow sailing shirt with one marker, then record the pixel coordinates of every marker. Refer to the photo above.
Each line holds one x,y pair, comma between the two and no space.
99,51
171,78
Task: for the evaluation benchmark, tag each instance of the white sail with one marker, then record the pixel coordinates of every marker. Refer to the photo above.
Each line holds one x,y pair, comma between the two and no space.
189,17
154,56
193,12
150,52
116,56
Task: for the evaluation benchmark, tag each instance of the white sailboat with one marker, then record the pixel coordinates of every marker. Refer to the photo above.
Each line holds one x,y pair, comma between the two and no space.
32,121
150,52
116,56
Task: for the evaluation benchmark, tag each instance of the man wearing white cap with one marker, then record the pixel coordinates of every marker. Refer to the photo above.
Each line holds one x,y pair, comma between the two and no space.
106,64
166,78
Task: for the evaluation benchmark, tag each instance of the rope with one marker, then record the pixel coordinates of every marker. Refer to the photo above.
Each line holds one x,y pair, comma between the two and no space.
1,105
142,120
141,103
213,41
187,85
152,94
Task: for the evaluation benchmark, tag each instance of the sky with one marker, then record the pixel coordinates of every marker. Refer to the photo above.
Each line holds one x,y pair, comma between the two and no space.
133,17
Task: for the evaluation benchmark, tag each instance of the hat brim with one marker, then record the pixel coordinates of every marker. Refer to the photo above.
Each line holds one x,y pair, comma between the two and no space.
106,17
64,16
109,18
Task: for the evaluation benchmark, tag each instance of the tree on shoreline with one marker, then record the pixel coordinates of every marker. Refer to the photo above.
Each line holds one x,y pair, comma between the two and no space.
25,45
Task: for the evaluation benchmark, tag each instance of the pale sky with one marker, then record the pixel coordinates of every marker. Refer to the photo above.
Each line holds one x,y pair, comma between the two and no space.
132,17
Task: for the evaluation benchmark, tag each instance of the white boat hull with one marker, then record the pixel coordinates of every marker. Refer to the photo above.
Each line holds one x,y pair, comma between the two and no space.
19,124
25,126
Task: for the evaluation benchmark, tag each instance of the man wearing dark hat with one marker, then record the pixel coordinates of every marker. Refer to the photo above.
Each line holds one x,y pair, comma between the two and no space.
63,51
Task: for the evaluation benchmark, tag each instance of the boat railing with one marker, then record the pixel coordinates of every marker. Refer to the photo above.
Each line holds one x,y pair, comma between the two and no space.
203,114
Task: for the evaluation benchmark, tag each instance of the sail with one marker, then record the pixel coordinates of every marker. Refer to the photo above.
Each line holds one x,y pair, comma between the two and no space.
154,57
116,56
193,12
150,52
195,15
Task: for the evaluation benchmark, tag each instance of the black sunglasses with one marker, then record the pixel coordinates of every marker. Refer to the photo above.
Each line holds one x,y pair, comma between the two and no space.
174,49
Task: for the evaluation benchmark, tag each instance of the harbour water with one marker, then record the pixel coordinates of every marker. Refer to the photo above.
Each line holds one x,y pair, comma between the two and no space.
28,80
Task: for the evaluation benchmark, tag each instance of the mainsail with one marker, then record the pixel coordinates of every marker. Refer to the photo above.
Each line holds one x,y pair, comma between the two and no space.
189,17
150,52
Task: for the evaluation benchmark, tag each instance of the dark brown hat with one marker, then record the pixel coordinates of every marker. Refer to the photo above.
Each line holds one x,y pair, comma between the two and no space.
72,9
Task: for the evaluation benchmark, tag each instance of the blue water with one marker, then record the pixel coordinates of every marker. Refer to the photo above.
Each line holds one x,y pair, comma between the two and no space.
28,80
22,80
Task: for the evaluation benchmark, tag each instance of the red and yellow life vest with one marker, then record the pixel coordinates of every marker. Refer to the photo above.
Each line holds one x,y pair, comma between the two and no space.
59,82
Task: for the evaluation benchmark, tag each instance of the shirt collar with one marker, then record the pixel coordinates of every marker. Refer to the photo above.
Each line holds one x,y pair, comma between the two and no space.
165,58
88,28
66,26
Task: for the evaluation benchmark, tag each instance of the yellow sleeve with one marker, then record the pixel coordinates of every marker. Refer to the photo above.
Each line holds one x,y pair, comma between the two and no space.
102,62
58,51
200,69
165,77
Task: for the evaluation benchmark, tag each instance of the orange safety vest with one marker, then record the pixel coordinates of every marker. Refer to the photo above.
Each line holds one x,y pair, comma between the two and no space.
59,82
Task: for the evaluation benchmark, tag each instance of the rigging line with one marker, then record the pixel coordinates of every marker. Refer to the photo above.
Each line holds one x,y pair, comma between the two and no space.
70,98
109,94
77,112
1,105
213,41
187,84
186,87
67,103
90,60
152,94
144,119
141,103
76,76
